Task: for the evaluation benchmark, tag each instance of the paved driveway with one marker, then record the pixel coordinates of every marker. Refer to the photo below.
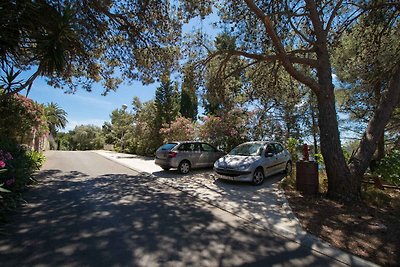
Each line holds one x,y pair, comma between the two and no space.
89,211
265,206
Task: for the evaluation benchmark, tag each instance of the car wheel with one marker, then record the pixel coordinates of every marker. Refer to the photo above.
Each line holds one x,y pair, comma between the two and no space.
288,169
165,168
258,176
184,167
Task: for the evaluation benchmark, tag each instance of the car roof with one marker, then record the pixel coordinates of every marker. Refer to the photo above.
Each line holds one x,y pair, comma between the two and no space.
262,142
257,142
183,142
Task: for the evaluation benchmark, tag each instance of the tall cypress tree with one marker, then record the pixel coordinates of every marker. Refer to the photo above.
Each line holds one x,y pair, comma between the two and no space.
189,98
167,102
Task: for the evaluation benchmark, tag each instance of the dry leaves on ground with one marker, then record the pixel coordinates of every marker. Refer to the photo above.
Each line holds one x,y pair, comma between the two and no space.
362,229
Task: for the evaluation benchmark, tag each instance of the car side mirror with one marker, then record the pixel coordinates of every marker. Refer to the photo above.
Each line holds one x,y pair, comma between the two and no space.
269,154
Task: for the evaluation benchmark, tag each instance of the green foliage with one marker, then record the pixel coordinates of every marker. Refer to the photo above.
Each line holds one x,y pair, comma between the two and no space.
283,103
56,118
389,167
36,159
223,85
86,137
319,159
167,102
135,132
364,61
121,129
84,42
188,101
292,145
17,164
147,136
63,141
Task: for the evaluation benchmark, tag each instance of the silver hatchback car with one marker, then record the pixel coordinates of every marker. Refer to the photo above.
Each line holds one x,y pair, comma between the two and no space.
187,155
253,161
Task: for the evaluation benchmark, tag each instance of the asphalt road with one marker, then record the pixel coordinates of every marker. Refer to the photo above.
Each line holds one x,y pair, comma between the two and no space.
89,211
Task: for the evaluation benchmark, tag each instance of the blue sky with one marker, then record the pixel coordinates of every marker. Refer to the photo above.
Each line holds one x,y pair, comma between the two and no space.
90,107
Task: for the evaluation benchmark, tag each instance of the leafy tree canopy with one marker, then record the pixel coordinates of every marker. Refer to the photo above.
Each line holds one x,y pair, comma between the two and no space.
78,43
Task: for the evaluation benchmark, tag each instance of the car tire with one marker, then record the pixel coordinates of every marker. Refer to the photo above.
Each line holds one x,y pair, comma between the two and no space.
258,176
165,168
184,167
288,168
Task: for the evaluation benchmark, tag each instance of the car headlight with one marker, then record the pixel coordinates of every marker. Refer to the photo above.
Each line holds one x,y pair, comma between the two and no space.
243,167
216,164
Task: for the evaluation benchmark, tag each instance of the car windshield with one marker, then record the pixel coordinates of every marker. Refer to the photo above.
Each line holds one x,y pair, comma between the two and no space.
247,149
168,146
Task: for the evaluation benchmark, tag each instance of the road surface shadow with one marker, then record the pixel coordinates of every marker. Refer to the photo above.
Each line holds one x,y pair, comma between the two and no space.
174,174
134,157
74,219
264,205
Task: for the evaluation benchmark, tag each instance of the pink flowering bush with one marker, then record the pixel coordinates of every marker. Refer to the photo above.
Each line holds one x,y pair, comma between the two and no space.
17,165
21,117
225,131
5,159
181,129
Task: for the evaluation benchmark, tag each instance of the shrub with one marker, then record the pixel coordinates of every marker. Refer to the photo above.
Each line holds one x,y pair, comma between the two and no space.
389,167
225,131
36,159
181,129
292,148
19,116
17,164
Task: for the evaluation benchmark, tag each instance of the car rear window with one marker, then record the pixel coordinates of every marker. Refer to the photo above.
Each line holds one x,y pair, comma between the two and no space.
168,146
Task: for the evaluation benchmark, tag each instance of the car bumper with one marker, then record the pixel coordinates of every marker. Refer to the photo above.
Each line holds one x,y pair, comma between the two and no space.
166,163
233,175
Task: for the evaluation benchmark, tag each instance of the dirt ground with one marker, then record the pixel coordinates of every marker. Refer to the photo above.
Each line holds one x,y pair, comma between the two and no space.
370,230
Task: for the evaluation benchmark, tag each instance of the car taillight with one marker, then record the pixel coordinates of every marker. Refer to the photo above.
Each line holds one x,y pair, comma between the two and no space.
172,154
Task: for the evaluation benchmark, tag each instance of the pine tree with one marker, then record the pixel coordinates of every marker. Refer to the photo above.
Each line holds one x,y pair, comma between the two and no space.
189,98
167,102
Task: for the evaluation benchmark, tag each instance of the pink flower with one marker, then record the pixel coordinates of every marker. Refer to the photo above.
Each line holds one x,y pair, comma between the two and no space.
2,164
8,156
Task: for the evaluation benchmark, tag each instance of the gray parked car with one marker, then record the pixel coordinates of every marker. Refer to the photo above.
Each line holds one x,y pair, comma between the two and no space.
253,161
187,155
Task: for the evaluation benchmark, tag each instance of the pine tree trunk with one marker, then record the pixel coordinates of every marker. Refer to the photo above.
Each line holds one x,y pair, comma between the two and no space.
314,125
376,126
340,184
380,151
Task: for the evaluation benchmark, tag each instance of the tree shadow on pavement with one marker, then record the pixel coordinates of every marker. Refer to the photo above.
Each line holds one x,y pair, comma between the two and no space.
265,204
122,220
127,156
